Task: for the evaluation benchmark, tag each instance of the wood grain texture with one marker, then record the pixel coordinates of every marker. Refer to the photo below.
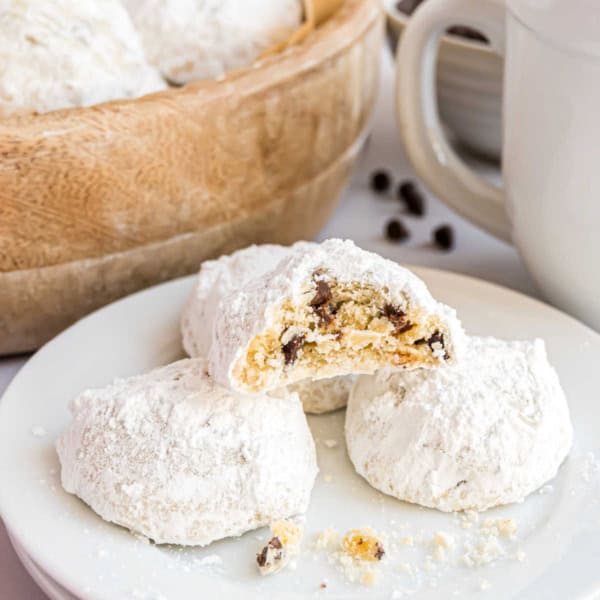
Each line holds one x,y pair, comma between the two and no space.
98,202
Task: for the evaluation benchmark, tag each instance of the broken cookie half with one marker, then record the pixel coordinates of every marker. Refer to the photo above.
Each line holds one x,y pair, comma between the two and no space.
329,309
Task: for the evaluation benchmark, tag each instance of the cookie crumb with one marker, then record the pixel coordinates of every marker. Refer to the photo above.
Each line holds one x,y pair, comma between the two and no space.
363,544
283,545
368,578
443,539
327,538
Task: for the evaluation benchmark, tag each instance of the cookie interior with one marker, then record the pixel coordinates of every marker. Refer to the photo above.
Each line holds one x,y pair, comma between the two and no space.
339,328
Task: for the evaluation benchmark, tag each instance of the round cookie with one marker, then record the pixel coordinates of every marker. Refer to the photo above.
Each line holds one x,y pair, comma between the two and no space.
323,395
60,54
176,458
486,431
189,40
220,277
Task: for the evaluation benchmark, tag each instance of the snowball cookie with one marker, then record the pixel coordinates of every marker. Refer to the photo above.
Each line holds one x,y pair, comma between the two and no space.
325,310
227,274
323,395
59,54
488,430
176,458
190,40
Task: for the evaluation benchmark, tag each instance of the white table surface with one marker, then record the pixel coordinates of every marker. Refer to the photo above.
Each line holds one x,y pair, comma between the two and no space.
362,217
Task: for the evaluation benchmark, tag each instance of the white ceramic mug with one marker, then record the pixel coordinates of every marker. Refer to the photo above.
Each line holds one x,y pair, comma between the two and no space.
550,205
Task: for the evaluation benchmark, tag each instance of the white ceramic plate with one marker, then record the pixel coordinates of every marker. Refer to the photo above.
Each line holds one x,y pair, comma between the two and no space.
559,531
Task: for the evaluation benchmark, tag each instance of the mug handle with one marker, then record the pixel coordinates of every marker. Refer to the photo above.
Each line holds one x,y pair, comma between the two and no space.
428,149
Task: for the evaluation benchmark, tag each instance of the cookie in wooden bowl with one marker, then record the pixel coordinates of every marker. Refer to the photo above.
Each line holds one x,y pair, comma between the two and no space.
99,202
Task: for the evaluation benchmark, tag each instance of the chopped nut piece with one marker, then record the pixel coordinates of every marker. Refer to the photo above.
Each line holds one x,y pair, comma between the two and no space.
363,544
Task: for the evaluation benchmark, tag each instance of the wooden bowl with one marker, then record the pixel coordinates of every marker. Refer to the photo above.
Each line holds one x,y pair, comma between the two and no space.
98,202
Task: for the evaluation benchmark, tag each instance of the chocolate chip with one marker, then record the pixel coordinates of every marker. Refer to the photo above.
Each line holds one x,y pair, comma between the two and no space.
379,551
261,557
323,586
461,482
322,295
393,313
397,316
290,350
407,6
408,325
381,181
325,316
275,542
468,33
396,231
443,237
413,199
435,338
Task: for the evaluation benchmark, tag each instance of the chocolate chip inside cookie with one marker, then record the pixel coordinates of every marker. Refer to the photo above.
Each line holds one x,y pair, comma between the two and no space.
290,350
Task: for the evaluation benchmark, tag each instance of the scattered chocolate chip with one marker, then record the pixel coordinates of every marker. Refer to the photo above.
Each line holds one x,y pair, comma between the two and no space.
461,482
322,295
443,237
413,199
290,350
396,231
407,6
380,181
468,33
323,586
379,551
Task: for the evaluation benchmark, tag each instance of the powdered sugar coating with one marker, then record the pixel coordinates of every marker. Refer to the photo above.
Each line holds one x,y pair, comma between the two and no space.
178,459
488,430
190,40
227,274
251,310
216,280
323,395
59,54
